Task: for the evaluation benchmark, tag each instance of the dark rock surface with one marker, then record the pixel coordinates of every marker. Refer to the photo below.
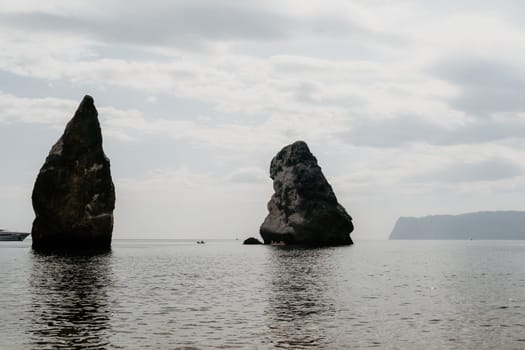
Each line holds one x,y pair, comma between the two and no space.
484,225
74,196
252,240
303,210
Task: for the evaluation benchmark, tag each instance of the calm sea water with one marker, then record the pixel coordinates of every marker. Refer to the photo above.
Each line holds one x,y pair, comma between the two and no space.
169,295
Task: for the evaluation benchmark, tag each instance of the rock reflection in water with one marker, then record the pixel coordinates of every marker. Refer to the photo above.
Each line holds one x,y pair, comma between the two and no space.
300,300
69,301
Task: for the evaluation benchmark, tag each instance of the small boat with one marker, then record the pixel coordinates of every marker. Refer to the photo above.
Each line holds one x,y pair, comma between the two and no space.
12,236
200,242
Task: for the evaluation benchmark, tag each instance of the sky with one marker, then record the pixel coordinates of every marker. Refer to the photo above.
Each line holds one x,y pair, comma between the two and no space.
411,107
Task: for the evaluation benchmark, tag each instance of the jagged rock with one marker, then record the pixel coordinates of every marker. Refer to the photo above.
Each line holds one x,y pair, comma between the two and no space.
74,196
252,240
303,210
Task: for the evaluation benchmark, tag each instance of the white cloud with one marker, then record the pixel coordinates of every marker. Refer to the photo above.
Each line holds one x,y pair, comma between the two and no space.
39,110
384,93
151,99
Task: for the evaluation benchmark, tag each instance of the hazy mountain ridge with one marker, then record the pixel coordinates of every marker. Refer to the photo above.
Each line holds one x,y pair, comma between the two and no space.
509,225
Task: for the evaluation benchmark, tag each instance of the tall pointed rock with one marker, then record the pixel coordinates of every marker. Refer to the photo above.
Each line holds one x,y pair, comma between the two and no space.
74,196
303,210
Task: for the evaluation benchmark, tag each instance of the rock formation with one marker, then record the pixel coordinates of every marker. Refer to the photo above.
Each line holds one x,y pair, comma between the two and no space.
251,240
303,210
74,196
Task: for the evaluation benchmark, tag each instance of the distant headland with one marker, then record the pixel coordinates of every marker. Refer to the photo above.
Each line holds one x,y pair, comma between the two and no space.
489,225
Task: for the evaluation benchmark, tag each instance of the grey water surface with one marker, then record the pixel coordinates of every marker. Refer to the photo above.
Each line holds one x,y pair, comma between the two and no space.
173,294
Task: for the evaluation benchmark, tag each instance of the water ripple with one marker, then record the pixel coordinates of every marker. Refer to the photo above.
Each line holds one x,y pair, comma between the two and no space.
169,295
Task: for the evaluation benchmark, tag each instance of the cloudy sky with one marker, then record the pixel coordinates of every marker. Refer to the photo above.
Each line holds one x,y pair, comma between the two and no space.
411,107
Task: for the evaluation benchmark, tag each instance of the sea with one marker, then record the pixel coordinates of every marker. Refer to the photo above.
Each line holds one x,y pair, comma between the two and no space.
168,294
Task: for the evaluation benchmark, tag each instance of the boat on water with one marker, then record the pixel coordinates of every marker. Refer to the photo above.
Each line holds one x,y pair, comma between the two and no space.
12,236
